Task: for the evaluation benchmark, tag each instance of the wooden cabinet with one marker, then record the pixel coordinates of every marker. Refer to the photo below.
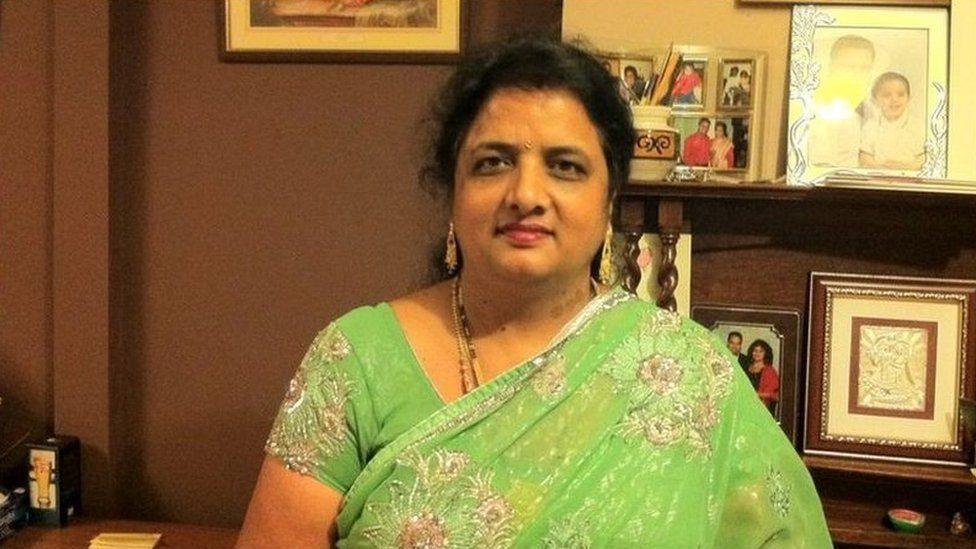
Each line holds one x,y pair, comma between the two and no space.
755,244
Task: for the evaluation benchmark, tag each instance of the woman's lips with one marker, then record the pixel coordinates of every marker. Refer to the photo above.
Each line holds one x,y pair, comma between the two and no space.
523,234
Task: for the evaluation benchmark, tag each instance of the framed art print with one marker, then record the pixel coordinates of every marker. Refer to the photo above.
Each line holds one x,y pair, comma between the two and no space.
765,344
868,94
890,361
388,31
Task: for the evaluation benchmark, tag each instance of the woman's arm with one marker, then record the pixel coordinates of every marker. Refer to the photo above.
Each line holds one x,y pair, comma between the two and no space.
289,510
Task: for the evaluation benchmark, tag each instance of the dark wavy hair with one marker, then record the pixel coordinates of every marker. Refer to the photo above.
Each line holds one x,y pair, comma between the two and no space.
527,63
768,357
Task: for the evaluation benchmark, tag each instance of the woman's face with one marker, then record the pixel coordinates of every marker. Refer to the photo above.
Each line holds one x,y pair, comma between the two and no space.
531,188
719,131
758,354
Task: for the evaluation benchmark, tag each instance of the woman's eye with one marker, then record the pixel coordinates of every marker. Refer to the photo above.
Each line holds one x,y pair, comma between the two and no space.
490,165
567,169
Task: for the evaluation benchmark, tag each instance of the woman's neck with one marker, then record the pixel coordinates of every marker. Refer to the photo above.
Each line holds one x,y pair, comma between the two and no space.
532,310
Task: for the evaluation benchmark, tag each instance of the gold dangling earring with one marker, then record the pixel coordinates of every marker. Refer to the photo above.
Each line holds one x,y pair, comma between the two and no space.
606,260
450,255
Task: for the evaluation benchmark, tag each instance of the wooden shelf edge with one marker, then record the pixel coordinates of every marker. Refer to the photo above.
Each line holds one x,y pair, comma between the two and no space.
863,525
938,195
910,472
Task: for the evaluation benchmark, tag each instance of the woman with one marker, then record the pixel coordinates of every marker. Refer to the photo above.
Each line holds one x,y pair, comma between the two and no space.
721,150
519,403
762,374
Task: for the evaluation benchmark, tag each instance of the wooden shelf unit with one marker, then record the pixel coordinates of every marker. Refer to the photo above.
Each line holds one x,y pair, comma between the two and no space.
819,228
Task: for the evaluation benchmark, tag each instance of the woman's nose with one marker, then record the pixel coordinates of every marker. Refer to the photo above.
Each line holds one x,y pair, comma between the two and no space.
527,189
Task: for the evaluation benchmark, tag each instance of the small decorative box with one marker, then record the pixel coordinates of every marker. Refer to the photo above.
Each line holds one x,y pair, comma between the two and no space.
55,479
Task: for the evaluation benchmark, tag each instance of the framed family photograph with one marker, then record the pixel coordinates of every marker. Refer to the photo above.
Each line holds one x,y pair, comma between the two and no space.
868,93
735,83
688,87
387,31
765,343
721,143
890,361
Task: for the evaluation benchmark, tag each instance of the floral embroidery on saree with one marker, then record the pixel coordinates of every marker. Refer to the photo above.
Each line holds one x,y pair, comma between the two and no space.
779,492
550,380
568,533
449,503
674,381
311,425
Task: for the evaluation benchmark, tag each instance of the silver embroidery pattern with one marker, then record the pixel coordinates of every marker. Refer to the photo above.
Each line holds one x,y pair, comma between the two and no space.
567,533
448,504
779,492
550,380
674,381
311,424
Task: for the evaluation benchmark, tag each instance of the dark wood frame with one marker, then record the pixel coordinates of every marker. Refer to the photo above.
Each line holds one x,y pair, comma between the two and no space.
787,323
306,56
813,442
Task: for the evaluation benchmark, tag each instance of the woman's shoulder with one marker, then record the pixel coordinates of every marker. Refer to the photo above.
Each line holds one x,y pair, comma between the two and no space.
370,318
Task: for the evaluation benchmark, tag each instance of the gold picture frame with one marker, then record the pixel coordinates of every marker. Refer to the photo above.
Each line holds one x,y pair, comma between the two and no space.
382,31
890,359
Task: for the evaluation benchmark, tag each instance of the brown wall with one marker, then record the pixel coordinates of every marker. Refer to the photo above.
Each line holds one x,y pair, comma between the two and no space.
175,229
25,210
252,203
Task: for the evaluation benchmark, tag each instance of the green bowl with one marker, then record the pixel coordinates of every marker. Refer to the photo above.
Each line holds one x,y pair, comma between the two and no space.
906,520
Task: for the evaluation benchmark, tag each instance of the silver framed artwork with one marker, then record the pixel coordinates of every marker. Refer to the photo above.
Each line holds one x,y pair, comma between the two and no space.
868,94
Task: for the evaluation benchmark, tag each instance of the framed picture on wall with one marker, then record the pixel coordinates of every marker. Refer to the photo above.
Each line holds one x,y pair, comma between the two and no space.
868,95
890,359
360,31
765,342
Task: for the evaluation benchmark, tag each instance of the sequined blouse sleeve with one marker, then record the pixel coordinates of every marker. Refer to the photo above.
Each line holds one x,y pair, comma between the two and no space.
320,427
770,499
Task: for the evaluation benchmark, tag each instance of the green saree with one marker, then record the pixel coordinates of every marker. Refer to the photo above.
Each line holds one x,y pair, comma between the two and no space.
632,429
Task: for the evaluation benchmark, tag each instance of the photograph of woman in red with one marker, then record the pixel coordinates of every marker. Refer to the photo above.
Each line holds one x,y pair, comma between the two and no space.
763,375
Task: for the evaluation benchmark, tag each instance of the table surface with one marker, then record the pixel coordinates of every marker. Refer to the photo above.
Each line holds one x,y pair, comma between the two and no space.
80,531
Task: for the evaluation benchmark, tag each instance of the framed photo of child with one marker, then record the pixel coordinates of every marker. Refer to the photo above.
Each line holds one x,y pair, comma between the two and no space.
868,94
735,83
688,87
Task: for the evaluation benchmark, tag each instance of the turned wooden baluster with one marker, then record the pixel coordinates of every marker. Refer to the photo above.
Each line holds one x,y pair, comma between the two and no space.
631,223
669,220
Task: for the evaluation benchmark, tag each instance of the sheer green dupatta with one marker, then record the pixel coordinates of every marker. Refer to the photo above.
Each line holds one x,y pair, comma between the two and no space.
621,433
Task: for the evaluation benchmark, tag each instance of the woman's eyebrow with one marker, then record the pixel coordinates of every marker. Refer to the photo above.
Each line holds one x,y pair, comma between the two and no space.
564,149
500,146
